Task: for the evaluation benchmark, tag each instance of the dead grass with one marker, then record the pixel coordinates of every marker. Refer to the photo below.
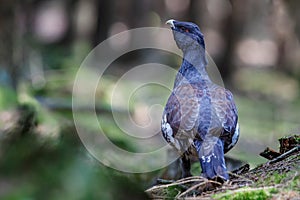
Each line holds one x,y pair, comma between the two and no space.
279,180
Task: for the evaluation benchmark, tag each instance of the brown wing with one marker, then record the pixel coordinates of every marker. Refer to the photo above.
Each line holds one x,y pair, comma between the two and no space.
225,115
182,108
224,108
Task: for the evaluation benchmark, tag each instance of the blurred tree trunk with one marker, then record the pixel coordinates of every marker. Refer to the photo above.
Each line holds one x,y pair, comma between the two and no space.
104,19
137,13
287,31
293,7
232,30
7,34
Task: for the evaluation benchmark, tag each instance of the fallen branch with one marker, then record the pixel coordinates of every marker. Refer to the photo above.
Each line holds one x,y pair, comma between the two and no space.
285,155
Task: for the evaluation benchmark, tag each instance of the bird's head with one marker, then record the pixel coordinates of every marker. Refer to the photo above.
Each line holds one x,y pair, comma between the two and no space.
187,35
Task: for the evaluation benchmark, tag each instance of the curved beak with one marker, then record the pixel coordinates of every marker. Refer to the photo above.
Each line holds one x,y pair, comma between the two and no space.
171,23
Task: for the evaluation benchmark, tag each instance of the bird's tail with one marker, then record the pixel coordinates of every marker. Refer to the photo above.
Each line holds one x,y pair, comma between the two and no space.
211,157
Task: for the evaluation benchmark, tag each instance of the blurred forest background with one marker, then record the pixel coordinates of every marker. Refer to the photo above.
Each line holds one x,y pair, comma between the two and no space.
254,43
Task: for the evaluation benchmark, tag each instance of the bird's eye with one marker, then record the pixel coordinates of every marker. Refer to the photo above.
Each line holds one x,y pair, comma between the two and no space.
184,29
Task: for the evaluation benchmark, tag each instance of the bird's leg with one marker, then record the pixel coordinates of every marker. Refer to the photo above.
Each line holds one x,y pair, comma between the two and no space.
185,166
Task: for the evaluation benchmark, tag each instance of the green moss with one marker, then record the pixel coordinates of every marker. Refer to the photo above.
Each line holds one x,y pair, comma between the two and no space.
274,191
278,177
172,191
196,168
296,138
295,184
245,195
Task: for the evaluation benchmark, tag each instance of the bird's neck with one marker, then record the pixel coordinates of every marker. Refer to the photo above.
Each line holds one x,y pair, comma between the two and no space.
196,57
193,67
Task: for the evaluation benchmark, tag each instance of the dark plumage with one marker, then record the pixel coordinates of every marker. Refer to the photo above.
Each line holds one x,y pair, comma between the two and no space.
200,117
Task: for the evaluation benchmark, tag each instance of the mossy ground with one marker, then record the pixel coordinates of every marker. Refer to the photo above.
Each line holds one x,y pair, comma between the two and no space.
280,180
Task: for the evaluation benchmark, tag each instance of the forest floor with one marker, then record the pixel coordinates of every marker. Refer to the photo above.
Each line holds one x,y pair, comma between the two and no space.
36,165
278,178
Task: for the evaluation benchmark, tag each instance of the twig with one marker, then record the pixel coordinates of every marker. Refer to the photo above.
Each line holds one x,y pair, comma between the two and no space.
197,198
190,189
197,185
241,177
193,177
180,182
285,155
242,169
164,181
